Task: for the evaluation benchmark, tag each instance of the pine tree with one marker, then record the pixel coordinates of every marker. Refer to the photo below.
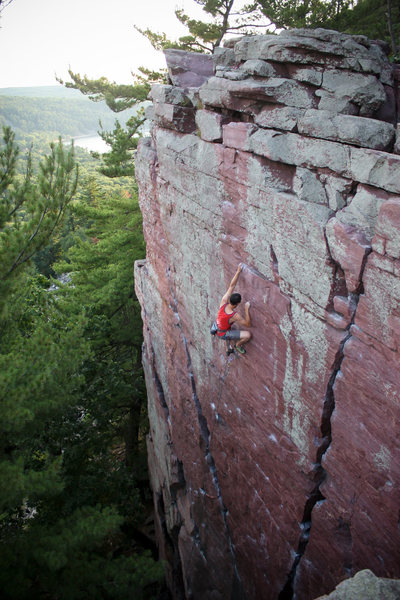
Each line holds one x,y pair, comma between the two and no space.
31,209
223,17
65,495
102,280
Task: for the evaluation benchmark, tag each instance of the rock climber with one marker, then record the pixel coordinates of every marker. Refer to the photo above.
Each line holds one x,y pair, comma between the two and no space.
227,316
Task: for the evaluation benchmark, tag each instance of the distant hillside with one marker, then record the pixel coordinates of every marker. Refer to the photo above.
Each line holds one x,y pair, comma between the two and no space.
71,115
46,91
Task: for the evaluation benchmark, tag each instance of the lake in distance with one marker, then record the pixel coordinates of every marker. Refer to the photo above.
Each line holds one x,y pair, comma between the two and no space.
92,143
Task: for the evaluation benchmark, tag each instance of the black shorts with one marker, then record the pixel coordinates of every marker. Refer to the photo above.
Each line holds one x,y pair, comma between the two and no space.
232,334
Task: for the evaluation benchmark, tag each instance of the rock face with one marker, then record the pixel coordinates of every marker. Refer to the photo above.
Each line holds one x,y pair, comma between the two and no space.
275,475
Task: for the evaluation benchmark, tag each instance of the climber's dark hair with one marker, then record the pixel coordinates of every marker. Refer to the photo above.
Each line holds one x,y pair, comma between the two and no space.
235,299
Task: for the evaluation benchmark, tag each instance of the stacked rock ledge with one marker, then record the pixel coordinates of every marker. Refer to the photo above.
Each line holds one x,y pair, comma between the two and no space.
275,475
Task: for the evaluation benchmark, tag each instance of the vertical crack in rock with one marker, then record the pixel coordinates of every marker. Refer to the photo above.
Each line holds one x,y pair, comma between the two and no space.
319,474
172,551
237,587
158,384
171,537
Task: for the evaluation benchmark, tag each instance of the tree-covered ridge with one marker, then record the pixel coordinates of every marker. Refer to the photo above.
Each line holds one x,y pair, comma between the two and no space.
41,91
62,116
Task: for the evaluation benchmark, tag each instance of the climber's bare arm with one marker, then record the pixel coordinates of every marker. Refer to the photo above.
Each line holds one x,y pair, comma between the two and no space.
231,287
246,321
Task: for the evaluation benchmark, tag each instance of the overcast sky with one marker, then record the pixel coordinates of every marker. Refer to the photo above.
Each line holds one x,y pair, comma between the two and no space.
39,38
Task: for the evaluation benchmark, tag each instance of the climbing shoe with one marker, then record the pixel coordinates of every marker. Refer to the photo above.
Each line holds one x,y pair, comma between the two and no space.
240,350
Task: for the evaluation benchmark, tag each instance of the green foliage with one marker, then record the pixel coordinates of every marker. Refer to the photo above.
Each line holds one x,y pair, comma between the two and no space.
71,561
31,209
72,492
373,18
306,13
39,371
117,97
123,142
370,18
222,17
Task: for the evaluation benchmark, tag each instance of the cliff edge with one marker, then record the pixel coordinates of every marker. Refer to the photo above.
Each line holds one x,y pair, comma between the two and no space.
275,475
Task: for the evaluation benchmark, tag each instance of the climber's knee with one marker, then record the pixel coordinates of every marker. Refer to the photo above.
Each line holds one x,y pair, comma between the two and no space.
245,336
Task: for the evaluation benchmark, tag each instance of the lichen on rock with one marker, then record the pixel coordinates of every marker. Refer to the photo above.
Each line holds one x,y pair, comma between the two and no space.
275,475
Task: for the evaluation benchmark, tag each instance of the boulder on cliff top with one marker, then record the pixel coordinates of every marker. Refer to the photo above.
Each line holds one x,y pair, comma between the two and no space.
188,69
349,129
365,586
221,92
320,46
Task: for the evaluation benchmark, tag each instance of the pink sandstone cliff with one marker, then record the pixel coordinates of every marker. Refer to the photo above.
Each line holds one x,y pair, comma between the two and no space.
275,475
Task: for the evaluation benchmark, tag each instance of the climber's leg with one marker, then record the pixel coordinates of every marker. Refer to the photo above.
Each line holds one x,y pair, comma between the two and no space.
244,337
231,337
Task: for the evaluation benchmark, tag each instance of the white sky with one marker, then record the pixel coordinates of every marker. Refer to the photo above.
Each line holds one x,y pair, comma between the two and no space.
39,38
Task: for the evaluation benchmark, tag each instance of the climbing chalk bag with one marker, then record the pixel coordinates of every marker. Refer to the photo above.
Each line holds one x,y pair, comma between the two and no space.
214,328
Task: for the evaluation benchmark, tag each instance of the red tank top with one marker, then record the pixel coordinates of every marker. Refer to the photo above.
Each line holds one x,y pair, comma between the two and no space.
223,320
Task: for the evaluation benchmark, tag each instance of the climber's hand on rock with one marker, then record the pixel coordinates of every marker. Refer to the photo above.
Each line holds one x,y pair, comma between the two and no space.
247,305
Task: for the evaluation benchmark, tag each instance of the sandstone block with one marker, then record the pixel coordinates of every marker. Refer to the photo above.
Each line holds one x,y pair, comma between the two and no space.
348,247
298,150
237,135
337,190
279,117
345,306
388,227
149,112
378,306
313,75
188,69
363,210
375,168
367,586
359,131
210,125
343,105
268,214
171,116
229,73
223,57
365,91
397,142
337,321
261,68
169,94
222,93
387,72
322,47
308,186
372,167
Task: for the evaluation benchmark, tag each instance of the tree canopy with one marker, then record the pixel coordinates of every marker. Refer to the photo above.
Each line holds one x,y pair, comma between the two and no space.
73,485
